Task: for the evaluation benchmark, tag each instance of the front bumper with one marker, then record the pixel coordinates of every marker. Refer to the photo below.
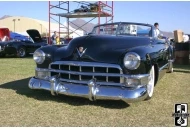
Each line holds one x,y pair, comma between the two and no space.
92,91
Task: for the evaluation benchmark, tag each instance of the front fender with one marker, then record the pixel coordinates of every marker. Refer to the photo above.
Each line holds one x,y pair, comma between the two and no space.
147,59
49,50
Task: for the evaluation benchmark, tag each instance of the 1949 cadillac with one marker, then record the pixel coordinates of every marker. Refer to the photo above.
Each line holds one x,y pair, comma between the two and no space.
22,48
118,61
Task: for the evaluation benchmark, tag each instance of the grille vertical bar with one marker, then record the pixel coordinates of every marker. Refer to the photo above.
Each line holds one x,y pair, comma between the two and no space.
107,76
69,70
80,71
59,73
93,72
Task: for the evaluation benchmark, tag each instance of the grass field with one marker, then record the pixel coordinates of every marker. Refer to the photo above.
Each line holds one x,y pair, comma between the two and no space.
21,106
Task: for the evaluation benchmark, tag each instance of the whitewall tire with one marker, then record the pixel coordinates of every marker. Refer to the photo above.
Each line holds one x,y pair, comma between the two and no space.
151,82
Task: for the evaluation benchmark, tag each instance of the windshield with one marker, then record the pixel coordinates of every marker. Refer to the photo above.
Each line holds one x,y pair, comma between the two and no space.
123,29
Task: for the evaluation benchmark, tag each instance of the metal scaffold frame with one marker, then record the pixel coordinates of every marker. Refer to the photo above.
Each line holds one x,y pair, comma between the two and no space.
105,10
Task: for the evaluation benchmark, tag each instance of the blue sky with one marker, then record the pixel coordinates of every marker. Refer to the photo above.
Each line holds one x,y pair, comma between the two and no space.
170,15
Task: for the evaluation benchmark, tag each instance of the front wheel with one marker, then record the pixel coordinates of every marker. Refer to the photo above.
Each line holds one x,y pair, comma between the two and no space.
21,52
151,82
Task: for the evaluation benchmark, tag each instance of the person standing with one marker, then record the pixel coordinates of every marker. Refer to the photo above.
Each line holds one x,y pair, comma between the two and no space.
53,38
156,30
57,39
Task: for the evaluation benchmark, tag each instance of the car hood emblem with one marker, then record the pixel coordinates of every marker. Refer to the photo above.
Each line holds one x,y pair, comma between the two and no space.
81,51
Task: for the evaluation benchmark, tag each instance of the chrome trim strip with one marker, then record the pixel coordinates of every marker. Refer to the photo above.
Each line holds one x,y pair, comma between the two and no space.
171,60
107,76
87,64
80,71
69,70
93,71
85,73
161,68
86,82
138,76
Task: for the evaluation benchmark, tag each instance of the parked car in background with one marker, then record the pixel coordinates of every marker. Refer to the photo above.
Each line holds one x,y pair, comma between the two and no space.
113,62
4,34
21,48
17,36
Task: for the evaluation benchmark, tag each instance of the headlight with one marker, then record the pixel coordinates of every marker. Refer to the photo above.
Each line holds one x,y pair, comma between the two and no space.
39,56
131,60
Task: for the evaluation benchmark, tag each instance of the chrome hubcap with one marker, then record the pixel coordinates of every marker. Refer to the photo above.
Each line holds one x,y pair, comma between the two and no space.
21,52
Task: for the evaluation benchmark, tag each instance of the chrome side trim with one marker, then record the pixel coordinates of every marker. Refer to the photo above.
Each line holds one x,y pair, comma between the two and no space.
161,68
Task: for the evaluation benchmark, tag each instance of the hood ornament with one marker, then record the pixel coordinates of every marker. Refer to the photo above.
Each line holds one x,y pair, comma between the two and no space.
81,51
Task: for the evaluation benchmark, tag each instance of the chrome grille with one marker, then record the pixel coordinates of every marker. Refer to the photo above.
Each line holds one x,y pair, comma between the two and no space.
82,72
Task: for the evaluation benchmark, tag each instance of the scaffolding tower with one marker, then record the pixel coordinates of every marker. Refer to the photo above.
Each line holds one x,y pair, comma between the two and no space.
63,11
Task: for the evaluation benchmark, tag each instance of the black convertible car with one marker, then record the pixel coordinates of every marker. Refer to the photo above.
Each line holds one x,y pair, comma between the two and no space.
22,48
118,61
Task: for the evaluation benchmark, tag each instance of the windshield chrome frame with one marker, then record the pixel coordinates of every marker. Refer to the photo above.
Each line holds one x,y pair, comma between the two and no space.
120,23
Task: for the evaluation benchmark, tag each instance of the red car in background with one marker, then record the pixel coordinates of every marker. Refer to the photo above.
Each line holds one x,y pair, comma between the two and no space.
4,32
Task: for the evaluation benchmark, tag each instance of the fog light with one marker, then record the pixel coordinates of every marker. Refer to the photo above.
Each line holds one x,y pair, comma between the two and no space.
42,75
132,82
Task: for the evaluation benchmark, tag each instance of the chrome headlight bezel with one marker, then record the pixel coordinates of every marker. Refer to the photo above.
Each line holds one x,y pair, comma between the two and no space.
131,60
39,56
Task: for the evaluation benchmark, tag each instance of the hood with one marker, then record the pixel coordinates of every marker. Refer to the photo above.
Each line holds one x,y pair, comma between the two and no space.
105,49
35,35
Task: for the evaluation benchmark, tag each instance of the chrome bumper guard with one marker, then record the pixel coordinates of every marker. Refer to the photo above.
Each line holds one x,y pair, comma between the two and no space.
92,90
